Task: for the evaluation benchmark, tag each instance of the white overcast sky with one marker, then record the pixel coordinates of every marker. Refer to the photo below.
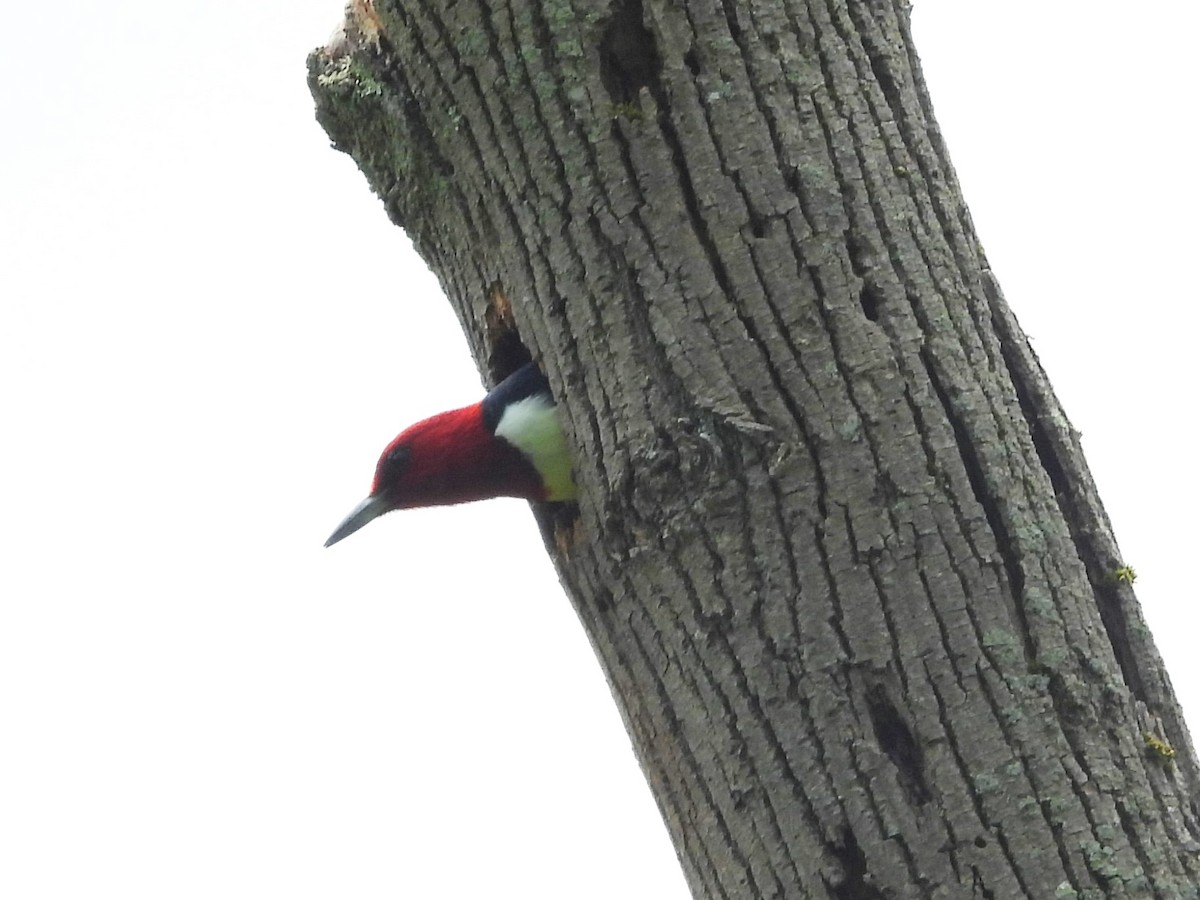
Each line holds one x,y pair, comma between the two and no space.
208,329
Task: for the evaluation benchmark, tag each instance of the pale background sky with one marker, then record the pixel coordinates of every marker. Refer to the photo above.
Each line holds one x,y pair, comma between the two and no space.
209,329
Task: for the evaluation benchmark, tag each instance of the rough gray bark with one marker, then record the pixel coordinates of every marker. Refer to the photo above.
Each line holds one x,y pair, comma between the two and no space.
837,548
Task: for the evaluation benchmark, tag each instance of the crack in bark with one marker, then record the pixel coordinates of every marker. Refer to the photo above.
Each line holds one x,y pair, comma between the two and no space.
987,503
1105,587
938,472
837,616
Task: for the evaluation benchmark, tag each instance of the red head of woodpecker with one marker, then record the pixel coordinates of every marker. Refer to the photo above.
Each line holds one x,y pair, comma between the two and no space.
509,444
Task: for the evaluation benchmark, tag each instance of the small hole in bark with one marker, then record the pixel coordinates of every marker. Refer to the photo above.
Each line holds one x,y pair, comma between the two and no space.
506,351
897,742
870,300
856,882
887,84
980,842
693,64
629,60
862,262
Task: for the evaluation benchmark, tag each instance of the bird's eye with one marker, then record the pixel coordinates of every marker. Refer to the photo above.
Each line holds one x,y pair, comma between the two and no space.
393,463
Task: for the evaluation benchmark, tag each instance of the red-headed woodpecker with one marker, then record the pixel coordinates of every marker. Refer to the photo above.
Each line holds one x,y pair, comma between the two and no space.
508,445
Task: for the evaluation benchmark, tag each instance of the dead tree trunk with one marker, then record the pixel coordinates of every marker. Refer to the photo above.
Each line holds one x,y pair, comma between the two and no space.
837,547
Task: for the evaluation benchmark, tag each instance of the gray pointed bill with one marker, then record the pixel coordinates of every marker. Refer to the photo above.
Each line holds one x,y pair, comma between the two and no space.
371,508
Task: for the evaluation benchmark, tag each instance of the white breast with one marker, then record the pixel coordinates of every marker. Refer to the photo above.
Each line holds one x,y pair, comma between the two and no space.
531,425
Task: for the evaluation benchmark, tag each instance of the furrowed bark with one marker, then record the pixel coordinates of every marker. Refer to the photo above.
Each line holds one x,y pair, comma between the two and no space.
837,548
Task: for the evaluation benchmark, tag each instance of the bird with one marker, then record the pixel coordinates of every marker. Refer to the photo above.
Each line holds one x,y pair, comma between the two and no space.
509,444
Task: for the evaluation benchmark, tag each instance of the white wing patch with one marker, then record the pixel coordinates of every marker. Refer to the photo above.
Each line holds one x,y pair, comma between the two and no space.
531,425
